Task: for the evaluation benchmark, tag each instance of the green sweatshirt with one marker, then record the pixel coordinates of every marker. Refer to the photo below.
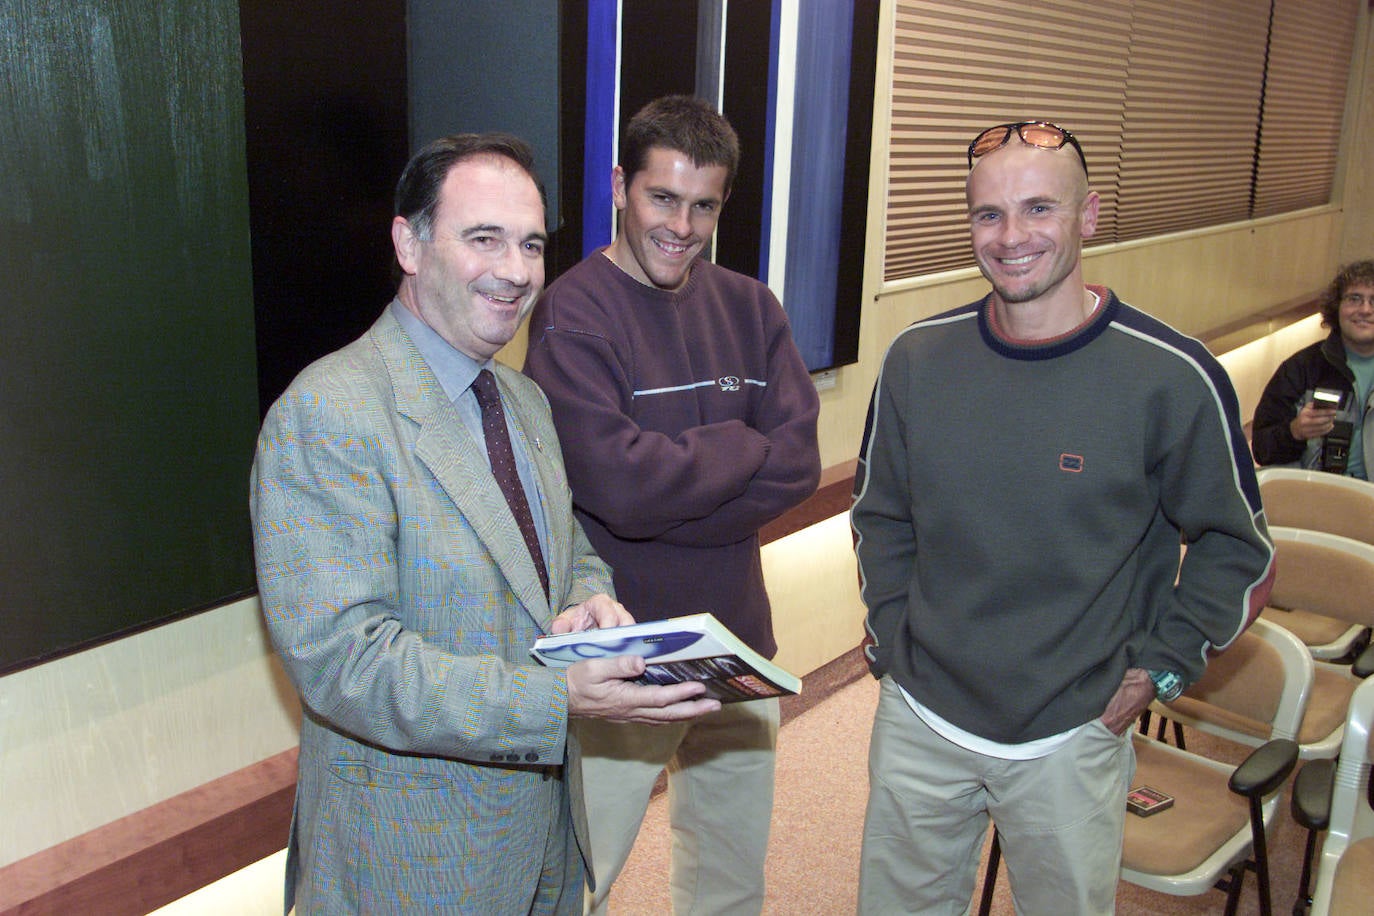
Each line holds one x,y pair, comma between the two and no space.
1019,511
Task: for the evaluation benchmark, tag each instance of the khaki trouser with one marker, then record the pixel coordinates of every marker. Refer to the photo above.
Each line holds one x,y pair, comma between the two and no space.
720,802
1060,818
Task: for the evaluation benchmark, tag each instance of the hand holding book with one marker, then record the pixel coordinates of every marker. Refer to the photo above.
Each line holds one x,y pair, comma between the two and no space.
685,649
609,688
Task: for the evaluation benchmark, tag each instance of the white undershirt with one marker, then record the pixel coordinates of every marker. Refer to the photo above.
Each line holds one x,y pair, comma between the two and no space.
1026,750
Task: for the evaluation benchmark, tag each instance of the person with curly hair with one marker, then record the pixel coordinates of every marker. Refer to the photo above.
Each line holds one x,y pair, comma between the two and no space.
1315,412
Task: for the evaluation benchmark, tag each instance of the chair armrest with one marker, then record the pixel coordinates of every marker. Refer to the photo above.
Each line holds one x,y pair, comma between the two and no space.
1265,769
1364,662
1312,794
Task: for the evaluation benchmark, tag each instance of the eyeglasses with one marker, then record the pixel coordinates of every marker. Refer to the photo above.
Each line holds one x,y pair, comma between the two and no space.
1040,134
1357,300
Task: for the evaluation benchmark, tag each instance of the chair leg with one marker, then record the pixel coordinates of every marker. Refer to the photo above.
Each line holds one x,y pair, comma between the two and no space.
1304,898
990,876
1163,729
1261,855
1233,888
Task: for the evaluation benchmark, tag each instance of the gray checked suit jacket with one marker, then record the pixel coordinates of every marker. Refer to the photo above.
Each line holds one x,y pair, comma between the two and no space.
403,601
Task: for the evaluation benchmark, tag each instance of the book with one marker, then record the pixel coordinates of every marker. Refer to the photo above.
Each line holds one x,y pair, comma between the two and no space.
1144,800
697,647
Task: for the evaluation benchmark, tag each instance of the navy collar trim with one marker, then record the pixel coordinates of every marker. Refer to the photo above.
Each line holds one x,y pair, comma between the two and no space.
1068,343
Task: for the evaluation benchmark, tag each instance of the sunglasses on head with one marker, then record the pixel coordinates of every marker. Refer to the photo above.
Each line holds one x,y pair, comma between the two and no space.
1040,134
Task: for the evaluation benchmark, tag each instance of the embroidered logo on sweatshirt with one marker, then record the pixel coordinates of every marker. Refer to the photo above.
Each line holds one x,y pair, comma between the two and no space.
1071,463
728,383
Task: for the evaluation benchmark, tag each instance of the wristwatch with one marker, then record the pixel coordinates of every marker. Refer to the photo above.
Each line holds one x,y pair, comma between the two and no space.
1168,685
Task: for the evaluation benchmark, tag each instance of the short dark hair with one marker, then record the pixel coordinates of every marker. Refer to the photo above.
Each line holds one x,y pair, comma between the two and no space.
684,124
417,192
1356,272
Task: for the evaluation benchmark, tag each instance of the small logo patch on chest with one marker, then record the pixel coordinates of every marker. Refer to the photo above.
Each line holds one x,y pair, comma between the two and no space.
1071,463
728,382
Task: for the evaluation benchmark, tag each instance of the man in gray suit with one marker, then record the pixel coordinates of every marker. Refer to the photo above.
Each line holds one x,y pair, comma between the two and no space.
405,568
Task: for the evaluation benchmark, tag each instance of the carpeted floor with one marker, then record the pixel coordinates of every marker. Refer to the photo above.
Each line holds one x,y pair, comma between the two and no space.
822,786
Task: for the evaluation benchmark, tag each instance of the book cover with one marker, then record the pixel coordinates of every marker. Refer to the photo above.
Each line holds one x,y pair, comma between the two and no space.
1147,800
693,648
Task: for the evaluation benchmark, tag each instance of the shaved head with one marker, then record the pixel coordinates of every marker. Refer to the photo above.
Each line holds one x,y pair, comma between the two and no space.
1029,211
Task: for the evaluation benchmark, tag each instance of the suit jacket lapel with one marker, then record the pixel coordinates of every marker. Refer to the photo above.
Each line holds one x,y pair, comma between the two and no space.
459,464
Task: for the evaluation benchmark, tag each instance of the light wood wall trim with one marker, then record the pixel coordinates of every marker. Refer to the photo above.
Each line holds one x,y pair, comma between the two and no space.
1254,327
831,498
162,853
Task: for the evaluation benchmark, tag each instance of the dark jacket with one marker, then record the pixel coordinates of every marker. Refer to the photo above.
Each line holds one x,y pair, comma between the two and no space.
1319,365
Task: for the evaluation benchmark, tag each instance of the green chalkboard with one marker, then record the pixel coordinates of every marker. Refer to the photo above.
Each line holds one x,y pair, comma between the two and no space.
128,387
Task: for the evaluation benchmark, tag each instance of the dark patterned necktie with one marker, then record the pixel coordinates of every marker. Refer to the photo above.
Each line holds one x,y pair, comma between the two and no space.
502,459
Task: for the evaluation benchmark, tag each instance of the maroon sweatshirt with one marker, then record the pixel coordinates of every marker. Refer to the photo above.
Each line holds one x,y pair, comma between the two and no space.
687,421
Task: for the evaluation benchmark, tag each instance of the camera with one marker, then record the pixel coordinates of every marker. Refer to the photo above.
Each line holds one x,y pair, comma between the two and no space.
1336,447
1328,398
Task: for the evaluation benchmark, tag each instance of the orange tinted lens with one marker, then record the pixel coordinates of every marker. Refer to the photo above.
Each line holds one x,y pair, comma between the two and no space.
989,140
1043,136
